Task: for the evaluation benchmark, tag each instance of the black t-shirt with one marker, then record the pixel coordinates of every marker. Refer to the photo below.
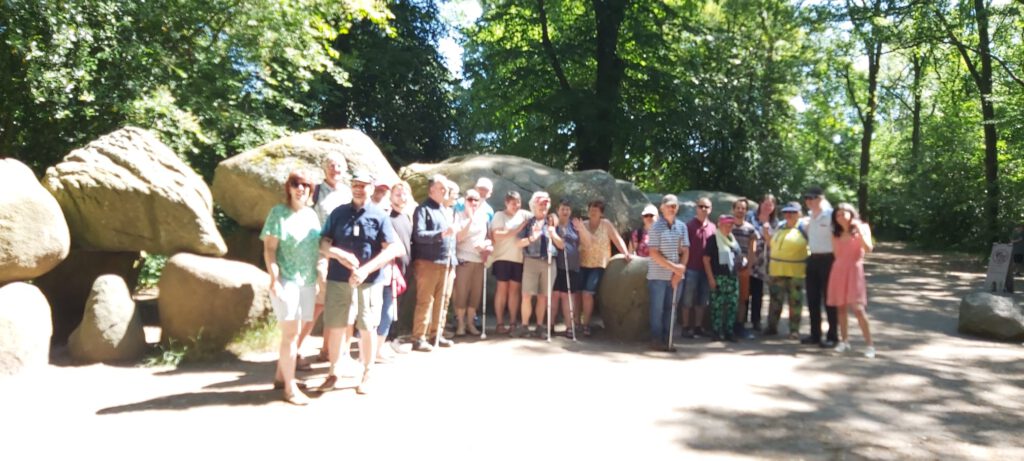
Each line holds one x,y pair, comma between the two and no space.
711,251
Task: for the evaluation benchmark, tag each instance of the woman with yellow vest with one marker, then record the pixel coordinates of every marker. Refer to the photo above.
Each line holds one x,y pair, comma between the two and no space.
786,267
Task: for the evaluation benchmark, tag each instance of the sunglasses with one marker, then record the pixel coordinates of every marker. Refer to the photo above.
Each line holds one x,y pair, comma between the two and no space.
472,200
299,184
648,216
704,207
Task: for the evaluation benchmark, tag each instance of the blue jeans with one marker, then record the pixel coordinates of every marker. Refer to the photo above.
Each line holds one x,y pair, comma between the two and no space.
660,292
386,312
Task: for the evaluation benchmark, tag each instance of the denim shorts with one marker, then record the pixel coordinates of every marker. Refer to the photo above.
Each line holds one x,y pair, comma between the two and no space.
695,289
591,278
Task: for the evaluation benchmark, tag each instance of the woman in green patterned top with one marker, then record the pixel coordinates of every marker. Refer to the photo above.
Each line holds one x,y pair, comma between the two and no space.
291,242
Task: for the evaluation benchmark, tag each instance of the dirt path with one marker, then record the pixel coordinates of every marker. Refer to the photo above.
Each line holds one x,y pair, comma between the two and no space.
929,394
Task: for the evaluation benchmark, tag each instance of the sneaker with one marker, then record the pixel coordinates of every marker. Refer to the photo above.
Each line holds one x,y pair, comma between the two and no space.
518,331
542,332
445,342
828,344
795,335
808,339
843,346
869,352
422,345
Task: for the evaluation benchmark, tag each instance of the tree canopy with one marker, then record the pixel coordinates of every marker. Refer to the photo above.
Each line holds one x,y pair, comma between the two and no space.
910,109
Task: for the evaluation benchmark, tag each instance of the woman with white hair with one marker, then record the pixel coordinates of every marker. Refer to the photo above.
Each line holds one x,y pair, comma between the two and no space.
538,240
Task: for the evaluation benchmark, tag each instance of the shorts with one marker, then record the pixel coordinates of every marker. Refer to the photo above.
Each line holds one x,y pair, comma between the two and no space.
294,302
359,306
575,282
508,271
537,280
696,290
591,278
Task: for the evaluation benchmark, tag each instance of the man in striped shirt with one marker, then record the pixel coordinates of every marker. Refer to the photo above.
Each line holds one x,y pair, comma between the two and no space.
669,245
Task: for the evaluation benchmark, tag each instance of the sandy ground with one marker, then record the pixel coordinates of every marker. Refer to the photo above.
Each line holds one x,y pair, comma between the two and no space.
930,394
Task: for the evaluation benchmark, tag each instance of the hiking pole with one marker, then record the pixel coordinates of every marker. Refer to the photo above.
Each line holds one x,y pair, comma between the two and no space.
672,316
483,315
568,290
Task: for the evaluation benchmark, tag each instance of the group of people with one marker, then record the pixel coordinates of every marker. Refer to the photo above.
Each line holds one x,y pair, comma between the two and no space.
345,253
721,269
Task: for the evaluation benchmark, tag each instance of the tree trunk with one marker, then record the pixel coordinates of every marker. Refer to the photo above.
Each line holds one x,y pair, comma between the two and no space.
596,140
874,49
917,66
988,115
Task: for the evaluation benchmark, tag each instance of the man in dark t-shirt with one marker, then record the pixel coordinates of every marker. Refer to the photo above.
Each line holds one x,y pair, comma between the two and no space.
358,239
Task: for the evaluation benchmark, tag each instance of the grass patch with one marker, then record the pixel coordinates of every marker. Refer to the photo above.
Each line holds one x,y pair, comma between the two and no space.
261,336
173,353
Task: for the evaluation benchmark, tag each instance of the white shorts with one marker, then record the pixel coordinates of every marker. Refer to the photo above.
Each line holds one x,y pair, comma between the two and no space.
294,302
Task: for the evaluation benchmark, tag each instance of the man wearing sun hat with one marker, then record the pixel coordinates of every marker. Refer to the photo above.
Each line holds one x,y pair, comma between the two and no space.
358,240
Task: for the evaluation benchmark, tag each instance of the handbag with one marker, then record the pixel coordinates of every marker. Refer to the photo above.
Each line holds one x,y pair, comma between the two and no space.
398,284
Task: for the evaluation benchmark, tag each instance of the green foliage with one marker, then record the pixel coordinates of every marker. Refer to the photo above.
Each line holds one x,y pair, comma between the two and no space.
152,267
213,77
399,91
173,353
263,335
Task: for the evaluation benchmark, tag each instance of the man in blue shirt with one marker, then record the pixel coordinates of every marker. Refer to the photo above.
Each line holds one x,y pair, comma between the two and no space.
358,239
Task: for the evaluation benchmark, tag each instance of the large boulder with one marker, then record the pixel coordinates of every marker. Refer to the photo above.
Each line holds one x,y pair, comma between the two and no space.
249,184
33,234
583,187
624,202
111,330
68,285
127,191
24,328
244,245
210,299
507,172
622,299
991,316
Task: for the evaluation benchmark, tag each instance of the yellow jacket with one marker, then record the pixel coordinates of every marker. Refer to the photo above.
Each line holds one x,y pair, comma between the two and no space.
788,253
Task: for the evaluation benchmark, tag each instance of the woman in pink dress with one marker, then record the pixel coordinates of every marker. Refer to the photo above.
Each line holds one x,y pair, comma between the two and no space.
847,288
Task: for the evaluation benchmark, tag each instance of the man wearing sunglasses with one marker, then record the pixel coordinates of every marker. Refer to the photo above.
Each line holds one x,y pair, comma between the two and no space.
696,290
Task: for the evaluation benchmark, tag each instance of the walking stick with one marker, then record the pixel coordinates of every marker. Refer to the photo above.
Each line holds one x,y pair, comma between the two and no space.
444,301
483,315
672,316
568,289
549,287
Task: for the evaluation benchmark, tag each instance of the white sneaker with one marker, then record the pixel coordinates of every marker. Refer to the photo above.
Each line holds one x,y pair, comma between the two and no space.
843,346
869,352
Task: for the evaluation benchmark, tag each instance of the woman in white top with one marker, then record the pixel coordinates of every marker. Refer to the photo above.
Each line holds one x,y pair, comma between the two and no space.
508,260
472,250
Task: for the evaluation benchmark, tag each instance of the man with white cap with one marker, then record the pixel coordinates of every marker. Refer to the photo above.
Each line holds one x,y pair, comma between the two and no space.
669,250
358,240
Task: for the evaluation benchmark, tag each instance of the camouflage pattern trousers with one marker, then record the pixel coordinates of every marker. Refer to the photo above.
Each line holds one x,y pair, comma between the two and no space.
779,289
723,304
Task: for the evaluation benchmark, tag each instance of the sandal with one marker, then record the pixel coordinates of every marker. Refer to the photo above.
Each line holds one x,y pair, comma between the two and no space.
303,364
586,330
297,398
278,385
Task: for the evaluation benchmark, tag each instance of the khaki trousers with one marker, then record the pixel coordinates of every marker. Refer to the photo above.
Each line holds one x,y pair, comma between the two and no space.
430,283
